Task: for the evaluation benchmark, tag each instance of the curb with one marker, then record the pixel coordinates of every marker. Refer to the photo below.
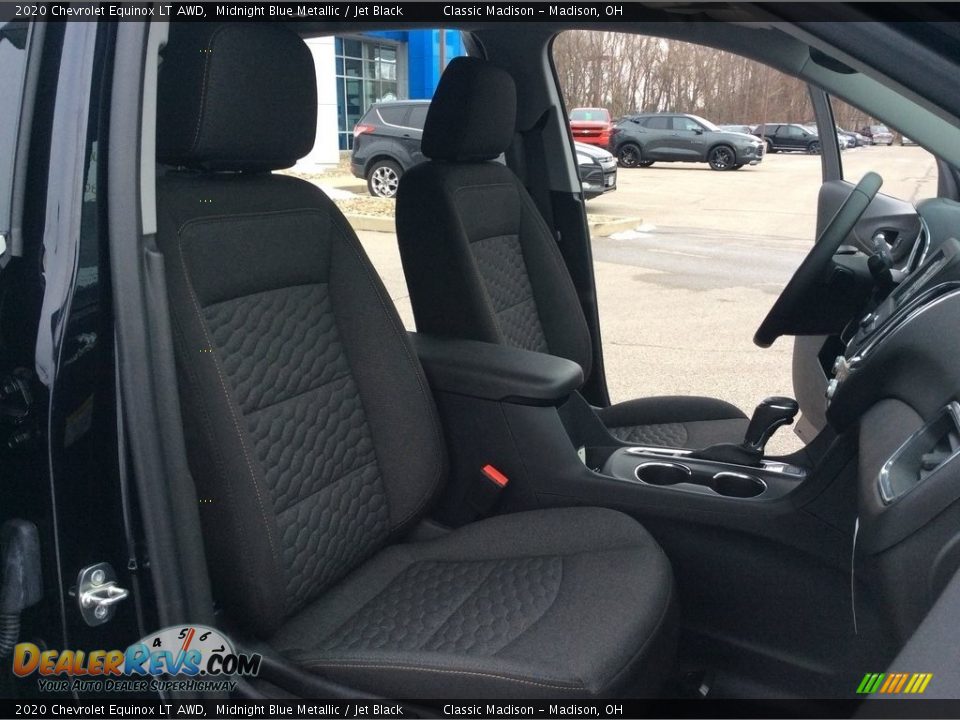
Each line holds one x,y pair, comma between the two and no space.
375,223
383,223
602,228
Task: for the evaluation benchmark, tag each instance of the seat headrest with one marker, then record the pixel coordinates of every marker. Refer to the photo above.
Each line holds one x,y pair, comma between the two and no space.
473,113
235,97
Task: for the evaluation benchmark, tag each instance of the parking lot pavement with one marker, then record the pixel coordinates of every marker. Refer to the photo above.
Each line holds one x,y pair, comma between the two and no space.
778,197
679,301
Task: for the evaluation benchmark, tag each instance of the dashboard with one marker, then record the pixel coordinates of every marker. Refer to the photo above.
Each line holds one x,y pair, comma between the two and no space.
896,385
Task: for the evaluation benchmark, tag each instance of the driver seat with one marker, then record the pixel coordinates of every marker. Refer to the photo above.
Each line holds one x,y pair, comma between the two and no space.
481,264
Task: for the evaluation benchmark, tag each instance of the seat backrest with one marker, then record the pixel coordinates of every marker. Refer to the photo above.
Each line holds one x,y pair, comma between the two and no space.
479,260
312,435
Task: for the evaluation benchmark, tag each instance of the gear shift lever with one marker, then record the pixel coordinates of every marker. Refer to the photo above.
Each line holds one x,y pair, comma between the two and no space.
769,415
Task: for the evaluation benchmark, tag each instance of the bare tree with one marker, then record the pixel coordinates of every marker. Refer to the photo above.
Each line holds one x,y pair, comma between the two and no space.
627,73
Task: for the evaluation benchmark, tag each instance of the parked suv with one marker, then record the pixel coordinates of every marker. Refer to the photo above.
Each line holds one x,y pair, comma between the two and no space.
591,126
386,143
878,134
641,140
786,137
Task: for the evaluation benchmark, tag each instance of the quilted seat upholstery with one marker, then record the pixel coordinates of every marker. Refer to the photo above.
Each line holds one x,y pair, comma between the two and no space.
315,445
532,604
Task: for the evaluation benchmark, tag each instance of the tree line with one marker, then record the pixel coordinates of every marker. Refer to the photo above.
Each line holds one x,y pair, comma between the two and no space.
628,73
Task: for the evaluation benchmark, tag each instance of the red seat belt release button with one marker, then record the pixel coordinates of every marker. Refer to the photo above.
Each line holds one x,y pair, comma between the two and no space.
495,476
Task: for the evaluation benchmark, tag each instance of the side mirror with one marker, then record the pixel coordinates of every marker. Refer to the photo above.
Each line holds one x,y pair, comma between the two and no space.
698,131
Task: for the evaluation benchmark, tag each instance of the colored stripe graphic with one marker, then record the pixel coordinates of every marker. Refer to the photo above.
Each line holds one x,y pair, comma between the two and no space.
900,683
894,683
915,680
870,683
890,682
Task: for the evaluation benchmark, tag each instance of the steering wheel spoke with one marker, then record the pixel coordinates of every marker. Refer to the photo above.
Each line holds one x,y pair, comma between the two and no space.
817,267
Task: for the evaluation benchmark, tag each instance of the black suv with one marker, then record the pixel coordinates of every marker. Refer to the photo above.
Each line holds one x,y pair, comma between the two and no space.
641,140
386,143
785,137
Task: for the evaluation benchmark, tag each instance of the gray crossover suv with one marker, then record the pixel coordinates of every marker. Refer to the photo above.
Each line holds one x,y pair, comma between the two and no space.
643,139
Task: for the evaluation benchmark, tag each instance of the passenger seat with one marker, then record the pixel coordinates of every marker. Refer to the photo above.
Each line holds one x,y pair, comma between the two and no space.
503,279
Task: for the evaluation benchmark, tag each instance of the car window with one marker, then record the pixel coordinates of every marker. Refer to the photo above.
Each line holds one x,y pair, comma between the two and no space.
418,115
393,114
686,124
792,131
590,115
659,122
13,62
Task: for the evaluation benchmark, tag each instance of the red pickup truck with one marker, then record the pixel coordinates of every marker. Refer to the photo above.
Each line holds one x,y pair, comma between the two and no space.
591,125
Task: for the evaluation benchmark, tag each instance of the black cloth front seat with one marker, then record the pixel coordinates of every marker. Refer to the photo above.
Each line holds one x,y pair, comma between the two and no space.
315,443
481,264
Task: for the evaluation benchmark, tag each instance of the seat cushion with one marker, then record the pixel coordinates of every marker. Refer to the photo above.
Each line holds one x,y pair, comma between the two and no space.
537,604
675,421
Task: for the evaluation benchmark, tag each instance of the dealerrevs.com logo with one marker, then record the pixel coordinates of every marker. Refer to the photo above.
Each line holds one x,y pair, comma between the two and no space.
193,657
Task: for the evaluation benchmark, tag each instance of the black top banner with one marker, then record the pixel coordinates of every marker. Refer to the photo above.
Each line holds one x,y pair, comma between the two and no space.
440,13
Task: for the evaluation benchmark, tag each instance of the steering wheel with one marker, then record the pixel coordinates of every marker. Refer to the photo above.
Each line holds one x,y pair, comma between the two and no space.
816,269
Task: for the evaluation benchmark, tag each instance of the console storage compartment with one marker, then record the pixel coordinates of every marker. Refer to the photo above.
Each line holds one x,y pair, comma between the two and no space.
677,470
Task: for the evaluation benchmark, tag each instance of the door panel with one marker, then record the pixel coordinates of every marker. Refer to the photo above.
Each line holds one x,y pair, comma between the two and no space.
656,140
685,142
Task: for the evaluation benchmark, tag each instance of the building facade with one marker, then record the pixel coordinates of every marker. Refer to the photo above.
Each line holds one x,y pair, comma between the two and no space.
355,71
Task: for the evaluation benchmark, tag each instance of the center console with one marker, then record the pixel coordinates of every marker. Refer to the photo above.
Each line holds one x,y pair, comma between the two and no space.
679,470
520,437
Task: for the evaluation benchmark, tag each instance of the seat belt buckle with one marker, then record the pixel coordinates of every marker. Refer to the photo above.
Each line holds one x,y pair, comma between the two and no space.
488,489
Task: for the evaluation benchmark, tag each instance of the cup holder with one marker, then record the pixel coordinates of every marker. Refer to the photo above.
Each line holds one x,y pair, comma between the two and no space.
734,484
725,483
663,473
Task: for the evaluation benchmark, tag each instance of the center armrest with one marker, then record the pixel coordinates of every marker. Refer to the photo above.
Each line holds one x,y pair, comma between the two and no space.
496,372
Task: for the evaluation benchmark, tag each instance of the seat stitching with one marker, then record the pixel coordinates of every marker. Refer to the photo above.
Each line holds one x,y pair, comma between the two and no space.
542,615
344,476
502,236
233,415
459,606
244,216
392,318
345,231
290,286
371,600
322,385
426,668
203,88
511,306
553,251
